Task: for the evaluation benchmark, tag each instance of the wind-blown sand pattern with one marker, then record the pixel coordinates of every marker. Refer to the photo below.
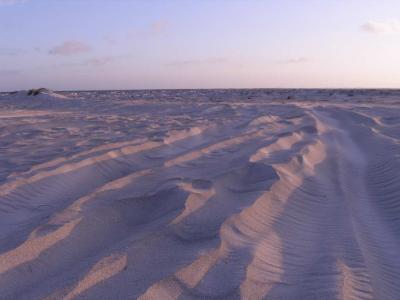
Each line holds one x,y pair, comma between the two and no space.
200,195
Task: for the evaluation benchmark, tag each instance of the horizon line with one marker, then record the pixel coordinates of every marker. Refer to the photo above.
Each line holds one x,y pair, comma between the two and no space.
219,88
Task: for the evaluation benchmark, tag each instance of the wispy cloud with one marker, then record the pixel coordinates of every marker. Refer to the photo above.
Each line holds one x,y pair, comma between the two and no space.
70,48
197,62
157,28
384,27
93,62
295,60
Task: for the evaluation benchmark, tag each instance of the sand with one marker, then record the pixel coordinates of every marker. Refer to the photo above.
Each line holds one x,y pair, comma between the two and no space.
241,194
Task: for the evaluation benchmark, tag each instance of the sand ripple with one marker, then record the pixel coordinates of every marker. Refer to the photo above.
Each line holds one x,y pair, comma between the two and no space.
267,201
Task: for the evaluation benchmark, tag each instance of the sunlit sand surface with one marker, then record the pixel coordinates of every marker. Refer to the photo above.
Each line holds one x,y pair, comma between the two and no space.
211,194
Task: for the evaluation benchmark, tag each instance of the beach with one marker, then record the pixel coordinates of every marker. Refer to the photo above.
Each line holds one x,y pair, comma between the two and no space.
200,194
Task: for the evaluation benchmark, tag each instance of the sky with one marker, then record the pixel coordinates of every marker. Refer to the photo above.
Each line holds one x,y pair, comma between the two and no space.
167,44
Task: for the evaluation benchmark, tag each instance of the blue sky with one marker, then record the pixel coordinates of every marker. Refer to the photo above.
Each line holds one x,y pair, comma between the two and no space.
122,44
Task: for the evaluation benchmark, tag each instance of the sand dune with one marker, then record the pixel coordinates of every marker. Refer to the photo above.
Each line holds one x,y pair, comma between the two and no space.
120,197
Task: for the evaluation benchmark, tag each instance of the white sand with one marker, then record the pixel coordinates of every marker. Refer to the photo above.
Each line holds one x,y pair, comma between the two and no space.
200,195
